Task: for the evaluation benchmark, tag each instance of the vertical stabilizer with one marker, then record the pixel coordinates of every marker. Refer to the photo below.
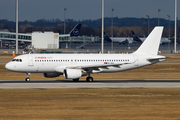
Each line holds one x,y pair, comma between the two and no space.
151,44
135,37
75,31
106,37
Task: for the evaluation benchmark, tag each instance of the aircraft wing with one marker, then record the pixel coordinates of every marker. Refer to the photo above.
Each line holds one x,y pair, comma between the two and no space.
89,68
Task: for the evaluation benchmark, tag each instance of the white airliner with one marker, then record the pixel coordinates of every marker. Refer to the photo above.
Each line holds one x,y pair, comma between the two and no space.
121,40
74,66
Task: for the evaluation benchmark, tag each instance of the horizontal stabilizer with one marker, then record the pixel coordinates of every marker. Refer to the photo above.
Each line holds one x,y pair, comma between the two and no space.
156,59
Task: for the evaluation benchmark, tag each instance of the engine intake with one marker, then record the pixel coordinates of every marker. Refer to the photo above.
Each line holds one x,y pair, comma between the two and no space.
72,73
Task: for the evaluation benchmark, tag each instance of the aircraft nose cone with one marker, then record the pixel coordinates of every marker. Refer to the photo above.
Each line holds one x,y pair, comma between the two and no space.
8,66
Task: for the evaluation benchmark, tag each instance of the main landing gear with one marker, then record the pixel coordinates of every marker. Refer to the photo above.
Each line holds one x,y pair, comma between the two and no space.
89,78
28,79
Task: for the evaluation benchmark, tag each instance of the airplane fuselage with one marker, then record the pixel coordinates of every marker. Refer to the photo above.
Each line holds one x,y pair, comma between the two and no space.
47,63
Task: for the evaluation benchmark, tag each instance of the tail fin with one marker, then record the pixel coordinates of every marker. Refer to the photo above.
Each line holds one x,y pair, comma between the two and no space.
75,31
151,44
135,37
106,37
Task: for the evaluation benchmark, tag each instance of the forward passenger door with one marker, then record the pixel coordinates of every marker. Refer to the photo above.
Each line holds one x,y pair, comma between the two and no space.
30,61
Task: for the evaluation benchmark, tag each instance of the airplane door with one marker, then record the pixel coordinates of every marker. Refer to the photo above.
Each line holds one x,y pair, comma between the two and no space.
136,61
30,61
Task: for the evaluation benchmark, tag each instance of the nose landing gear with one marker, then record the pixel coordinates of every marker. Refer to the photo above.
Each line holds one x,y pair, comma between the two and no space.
28,79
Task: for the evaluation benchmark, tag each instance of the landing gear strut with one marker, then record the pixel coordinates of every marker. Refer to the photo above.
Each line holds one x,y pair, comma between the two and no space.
28,79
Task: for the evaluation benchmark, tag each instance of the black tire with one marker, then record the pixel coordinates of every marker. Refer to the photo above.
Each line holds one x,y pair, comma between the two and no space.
27,79
89,79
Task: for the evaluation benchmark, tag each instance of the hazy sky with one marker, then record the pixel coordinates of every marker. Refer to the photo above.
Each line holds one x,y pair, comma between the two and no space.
33,10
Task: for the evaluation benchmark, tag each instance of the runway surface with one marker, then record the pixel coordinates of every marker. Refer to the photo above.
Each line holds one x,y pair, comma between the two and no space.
114,83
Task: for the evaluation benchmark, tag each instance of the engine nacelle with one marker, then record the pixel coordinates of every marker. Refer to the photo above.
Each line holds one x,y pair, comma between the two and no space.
72,73
51,75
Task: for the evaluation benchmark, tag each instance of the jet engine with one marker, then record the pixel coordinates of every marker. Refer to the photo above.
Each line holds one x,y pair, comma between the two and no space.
51,75
72,73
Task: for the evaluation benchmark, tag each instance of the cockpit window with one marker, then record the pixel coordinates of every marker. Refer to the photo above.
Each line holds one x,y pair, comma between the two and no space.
17,60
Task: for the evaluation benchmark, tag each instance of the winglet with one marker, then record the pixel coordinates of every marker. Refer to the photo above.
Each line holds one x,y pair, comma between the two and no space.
151,44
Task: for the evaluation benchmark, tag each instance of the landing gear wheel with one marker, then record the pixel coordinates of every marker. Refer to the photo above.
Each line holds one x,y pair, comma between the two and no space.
75,80
27,79
89,79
